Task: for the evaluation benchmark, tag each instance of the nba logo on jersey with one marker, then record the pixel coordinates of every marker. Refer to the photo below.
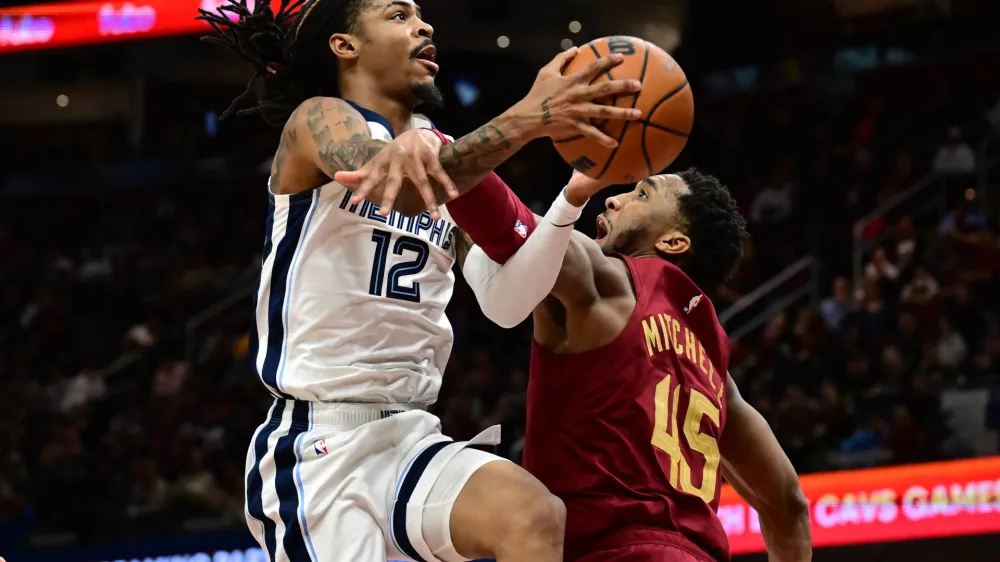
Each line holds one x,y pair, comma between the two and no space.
692,303
521,229
320,447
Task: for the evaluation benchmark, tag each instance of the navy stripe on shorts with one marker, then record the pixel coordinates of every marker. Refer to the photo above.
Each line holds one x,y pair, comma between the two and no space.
406,488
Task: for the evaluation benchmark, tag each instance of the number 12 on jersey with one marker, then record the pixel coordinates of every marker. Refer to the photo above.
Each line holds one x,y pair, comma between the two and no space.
395,290
666,438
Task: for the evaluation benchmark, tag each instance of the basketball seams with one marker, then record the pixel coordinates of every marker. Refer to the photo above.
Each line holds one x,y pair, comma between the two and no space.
646,153
614,98
646,123
663,128
635,100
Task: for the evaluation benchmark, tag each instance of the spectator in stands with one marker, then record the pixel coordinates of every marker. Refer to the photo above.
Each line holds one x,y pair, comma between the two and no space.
906,243
921,290
773,204
880,269
149,495
839,305
951,346
955,157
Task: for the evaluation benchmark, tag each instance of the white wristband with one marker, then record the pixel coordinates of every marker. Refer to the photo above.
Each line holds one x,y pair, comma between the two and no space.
562,212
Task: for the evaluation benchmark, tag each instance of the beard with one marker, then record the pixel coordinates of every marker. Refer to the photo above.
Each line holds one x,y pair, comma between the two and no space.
428,96
629,241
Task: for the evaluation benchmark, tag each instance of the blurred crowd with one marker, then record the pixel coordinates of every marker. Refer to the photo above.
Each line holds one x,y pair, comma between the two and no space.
128,400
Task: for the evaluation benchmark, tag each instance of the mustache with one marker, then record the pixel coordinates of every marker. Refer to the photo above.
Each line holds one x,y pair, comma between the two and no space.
421,47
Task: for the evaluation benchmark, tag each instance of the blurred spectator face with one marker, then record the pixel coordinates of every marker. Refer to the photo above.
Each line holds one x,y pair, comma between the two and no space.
841,289
776,328
906,228
960,292
879,257
892,360
872,296
829,397
902,422
145,470
907,324
803,320
858,365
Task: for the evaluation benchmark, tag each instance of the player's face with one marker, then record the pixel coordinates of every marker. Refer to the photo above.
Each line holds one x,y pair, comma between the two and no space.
397,49
645,219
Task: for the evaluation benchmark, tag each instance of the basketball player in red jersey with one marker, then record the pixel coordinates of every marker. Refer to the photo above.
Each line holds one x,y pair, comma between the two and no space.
632,417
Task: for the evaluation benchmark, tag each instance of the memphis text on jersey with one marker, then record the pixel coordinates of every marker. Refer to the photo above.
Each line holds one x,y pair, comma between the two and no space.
438,232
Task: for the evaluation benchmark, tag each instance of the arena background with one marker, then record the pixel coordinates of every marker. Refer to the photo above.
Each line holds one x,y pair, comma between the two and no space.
859,136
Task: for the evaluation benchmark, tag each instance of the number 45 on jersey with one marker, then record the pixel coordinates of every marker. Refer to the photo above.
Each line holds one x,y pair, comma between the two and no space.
666,438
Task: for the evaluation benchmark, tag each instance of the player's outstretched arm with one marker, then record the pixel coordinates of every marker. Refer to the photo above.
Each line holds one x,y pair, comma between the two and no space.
756,466
555,258
557,105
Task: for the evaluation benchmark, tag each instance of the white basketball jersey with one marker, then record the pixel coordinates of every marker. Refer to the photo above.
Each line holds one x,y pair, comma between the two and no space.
351,305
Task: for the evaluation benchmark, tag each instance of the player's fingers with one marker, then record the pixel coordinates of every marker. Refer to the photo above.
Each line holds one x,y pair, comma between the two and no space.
594,134
416,173
439,175
603,64
600,111
610,88
350,179
360,181
561,60
374,177
393,183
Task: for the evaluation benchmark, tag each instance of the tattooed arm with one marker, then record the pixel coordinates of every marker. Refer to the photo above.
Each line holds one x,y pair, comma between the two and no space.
557,106
334,137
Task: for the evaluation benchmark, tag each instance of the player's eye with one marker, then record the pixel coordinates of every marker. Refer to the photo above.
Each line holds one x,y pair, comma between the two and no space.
642,194
399,16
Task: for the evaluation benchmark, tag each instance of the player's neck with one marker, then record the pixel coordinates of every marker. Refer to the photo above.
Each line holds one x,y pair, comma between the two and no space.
397,113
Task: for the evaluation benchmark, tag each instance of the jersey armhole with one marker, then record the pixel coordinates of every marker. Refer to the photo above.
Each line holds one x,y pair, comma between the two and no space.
634,279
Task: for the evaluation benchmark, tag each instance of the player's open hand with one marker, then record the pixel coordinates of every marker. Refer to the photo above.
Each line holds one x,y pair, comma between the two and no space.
581,188
562,106
413,156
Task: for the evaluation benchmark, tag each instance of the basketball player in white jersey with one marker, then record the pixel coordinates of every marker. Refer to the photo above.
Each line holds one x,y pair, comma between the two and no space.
350,333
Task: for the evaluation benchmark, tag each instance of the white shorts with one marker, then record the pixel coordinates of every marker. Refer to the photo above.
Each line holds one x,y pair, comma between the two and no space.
356,482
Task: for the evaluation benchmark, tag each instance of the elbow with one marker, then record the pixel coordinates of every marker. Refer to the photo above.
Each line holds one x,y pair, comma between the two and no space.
785,512
796,507
503,315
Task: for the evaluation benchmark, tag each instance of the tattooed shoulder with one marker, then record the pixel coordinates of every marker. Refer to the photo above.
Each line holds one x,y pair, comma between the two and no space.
341,136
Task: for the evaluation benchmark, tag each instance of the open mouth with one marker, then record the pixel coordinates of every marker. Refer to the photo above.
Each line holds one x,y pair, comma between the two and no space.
426,56
602,228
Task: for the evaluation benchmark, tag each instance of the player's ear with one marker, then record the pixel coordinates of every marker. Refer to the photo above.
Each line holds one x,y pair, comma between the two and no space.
673,243
344,46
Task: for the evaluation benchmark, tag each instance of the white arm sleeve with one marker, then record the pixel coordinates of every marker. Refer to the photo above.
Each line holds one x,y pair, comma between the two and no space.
508,293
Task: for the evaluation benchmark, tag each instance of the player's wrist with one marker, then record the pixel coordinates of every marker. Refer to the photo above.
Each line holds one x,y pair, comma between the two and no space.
563,212
521,124
440,136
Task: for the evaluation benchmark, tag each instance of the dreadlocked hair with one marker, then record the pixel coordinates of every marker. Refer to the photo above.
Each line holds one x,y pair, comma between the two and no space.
288,49
716,229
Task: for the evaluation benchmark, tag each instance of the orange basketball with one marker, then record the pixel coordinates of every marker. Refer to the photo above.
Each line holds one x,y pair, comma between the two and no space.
647,146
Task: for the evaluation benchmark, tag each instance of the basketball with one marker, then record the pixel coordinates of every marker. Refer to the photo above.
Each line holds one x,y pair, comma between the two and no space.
647,146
